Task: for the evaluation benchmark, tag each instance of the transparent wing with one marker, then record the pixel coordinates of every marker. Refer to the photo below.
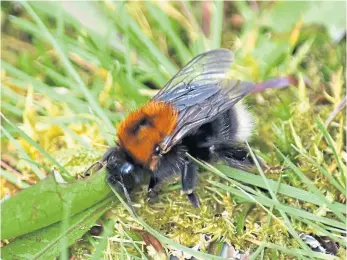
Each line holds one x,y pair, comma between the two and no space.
201,91
197,80
206,111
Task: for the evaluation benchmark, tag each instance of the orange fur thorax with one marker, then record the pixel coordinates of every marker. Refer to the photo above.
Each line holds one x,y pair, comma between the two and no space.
143,129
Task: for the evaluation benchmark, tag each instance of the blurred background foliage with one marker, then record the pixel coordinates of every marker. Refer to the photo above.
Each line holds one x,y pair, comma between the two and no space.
72,70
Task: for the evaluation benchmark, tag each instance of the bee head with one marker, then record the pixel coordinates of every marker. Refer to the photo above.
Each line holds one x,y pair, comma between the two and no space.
120,168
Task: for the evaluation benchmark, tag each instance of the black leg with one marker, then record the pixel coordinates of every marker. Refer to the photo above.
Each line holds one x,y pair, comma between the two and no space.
194,200
239,158
153,183
96,166
152,191
116,186
112,180
189,178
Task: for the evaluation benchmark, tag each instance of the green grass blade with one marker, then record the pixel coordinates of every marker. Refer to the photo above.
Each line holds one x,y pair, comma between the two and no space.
69,68
259,250
329,140
200,43
296,252
160,58
284,189
10,109
286,224
268,221
26,26
288,209
263,200
27,138
143,256
323,171
56,77
286,220
216,26
22,153
102,243
312,187
13,179
324,232
41,87
164,23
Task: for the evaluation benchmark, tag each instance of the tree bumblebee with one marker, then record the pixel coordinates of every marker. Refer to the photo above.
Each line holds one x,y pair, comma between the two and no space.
197,112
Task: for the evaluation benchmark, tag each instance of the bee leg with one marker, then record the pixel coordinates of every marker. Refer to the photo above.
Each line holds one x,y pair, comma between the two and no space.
152,192
189,177
239,158
96,166
127,196
116,185
112,181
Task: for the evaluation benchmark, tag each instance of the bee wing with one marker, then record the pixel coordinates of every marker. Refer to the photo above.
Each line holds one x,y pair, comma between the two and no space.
200,91
197,80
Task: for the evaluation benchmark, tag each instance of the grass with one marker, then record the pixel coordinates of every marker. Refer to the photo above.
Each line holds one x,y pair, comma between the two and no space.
66,84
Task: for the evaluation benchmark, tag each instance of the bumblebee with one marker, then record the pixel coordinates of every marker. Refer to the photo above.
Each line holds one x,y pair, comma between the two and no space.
197,112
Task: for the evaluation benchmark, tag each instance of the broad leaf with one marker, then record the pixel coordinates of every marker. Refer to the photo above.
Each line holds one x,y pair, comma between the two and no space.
45,243
44,204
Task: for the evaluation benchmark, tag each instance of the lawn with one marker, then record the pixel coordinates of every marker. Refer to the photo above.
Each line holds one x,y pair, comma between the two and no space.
71,71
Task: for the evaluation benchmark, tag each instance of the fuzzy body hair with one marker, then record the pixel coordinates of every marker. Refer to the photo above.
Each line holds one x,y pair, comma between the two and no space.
245,123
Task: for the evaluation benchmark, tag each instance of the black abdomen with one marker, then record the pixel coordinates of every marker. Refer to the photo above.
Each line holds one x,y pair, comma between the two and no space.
218,133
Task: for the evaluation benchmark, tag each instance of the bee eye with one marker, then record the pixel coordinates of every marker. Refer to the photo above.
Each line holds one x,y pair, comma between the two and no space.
157,150
126,168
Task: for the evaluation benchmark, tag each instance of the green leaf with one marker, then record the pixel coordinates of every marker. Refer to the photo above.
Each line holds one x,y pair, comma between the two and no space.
283,15
43,204
318,12
45,243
